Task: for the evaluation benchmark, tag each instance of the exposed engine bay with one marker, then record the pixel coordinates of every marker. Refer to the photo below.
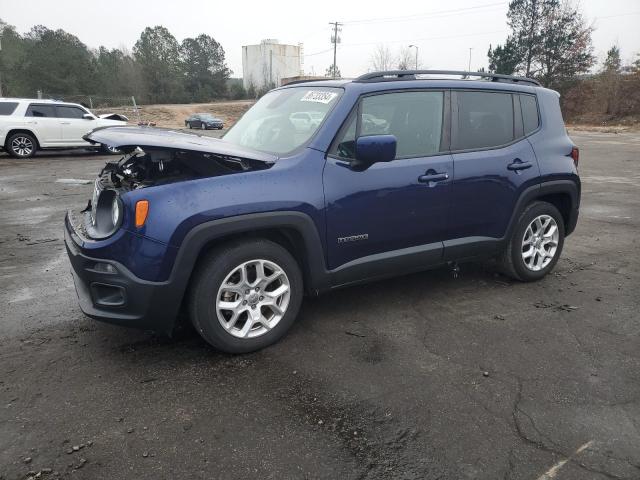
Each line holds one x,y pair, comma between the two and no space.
140,168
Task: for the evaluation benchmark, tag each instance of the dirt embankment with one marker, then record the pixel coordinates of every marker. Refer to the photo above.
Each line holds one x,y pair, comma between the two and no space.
174,115
605,123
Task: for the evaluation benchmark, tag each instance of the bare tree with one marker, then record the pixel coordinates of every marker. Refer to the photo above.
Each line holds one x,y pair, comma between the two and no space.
331,73
382,58
406,59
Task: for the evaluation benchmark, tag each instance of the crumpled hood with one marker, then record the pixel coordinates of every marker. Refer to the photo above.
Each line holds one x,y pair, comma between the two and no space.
128,138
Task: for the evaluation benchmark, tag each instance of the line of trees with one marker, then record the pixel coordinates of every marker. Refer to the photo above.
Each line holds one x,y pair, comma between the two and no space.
159,69
611,95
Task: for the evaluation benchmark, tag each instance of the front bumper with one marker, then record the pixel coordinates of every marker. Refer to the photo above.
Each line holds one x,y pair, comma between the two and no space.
110,292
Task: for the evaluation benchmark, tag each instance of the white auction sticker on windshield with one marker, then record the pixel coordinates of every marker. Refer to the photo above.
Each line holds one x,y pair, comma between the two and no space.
318,96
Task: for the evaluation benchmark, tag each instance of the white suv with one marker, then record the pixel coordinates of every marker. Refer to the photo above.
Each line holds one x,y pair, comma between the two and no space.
27,125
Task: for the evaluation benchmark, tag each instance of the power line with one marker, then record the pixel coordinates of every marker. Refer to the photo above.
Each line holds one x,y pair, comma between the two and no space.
318,53
429,14
422,39
618,15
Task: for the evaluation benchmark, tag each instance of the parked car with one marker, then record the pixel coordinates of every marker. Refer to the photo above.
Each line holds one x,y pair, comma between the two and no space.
238,229
305,121
203,121
28,125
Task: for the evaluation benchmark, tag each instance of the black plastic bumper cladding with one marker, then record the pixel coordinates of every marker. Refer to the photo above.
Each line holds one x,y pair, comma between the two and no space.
123,299
119,297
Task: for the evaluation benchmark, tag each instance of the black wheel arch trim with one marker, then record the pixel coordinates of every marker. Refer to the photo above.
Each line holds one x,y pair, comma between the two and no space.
563,186
167,296
468,248
314,271
15,131
320,279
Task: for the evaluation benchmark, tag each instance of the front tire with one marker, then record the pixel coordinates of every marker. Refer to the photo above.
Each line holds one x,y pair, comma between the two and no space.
21,145
245,295
536,243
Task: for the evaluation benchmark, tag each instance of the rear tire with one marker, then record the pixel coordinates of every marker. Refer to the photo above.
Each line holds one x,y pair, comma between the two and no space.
21,145
245,295
110,150
535,244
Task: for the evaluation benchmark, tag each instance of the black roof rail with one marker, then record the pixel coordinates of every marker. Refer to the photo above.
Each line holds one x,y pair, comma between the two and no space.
392,75
296,82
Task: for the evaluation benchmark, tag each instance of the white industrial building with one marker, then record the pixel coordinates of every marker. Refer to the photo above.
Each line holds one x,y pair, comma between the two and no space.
269,62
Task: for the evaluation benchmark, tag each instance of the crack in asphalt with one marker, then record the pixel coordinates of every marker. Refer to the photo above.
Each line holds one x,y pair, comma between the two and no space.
555,449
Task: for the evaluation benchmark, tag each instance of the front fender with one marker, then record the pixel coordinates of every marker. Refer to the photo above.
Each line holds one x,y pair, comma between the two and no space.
205,233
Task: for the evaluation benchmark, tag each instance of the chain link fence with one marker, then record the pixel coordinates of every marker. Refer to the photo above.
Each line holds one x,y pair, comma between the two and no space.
98,103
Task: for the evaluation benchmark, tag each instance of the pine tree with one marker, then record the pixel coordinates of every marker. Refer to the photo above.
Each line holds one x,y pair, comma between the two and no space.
549,40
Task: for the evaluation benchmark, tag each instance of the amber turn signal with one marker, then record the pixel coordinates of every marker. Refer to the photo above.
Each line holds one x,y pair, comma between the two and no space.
142,209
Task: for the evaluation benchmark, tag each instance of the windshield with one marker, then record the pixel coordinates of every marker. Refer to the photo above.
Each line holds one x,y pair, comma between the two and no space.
206,116
283,120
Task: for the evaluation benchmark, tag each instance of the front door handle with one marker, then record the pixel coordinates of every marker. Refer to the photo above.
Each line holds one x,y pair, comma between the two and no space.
433,176
519,165
65,123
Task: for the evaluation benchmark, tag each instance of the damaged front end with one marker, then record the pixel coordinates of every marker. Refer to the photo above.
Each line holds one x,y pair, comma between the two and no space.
157,157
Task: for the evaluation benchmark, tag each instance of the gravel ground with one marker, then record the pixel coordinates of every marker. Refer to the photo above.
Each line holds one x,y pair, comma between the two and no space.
421,377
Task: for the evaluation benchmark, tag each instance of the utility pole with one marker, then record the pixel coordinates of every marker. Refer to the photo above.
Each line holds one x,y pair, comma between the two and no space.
335,40
416,47
470,48
1,30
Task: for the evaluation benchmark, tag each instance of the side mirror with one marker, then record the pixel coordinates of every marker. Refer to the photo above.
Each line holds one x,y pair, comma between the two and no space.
374,148
88,116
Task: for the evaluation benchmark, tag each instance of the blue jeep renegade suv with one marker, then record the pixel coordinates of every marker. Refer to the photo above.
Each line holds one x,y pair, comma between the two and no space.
321,185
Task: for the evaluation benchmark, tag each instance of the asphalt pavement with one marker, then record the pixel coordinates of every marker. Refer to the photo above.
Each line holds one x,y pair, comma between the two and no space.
425,376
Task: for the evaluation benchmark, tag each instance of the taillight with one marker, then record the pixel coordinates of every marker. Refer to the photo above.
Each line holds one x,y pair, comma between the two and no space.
575,154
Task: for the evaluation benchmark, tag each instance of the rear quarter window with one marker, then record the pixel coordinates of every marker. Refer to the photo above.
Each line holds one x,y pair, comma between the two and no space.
7,108
530,117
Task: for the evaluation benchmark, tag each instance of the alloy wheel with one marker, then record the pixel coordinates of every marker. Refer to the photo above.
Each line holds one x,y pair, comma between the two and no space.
540,242
253,298
22,146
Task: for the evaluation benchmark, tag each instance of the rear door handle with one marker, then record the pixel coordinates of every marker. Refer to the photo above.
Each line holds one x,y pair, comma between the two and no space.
519,165
432,176
65,123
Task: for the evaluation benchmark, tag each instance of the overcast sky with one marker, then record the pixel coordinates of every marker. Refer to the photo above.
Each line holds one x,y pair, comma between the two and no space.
443,30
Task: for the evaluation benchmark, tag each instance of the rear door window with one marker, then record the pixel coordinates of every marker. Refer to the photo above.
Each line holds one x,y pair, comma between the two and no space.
41,111
7,108
485,119
530,118
65,111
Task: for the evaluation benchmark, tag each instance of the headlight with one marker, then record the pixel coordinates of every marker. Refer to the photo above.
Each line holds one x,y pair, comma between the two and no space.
108,214
115,211
94,202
